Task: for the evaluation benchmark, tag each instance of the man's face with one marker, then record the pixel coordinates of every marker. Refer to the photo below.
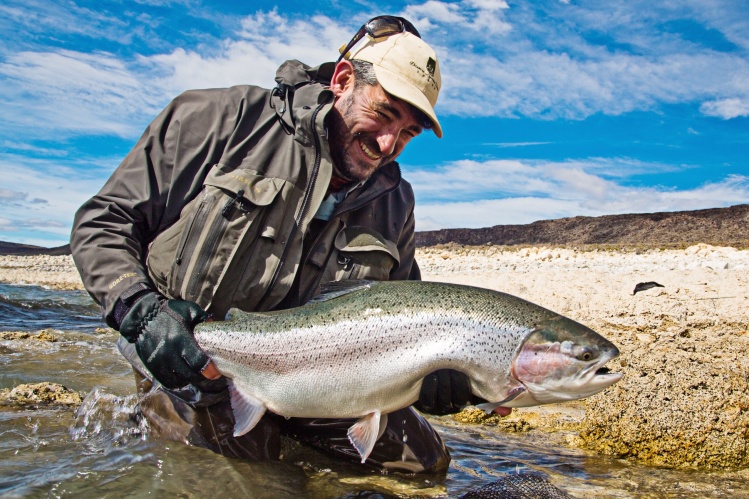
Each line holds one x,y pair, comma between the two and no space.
368,128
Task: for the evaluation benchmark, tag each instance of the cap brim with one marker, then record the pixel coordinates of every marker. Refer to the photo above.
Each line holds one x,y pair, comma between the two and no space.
399,87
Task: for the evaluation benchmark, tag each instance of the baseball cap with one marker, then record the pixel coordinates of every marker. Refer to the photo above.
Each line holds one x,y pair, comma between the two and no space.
407,68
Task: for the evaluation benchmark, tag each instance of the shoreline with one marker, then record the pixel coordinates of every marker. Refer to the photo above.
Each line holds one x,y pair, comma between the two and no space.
684,397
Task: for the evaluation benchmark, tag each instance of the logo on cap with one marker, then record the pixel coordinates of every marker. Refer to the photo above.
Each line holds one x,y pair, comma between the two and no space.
431,65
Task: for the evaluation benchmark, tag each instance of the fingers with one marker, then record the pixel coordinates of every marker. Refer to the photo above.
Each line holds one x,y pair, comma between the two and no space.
210,371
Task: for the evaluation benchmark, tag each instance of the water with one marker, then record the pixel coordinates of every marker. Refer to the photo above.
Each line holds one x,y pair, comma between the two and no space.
104,451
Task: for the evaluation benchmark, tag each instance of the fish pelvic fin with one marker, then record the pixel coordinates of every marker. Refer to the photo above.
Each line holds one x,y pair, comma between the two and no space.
490,406
247,409
364,433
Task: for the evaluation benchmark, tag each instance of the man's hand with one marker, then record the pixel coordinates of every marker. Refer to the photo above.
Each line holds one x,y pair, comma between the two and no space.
162,331
445,391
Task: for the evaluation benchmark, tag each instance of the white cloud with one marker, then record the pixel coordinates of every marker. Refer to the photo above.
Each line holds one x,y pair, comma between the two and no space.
11,196
555,85
482,17
470,179
726,108
74,92
100,93
51,16
42,195
496,60
266,40
470,194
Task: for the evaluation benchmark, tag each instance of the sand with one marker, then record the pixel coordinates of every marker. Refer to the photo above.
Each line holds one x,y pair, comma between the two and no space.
684,397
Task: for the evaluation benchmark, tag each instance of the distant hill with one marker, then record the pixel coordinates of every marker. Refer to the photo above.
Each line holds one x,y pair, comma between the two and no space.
716,226
26,249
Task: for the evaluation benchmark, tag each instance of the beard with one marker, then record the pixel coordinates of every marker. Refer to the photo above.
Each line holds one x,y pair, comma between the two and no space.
344,144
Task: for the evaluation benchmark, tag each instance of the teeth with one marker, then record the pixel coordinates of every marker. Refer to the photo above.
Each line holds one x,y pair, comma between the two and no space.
368,152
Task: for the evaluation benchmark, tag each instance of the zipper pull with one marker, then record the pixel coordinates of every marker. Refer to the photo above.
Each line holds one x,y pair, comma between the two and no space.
229,207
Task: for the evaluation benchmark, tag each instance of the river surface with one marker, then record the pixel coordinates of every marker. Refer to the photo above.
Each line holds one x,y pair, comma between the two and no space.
102,450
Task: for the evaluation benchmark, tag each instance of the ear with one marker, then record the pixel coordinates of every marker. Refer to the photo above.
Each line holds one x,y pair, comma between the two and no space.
343,77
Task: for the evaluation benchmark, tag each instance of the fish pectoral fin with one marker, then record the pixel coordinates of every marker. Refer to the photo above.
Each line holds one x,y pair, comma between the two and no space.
247,409
490,406
364,433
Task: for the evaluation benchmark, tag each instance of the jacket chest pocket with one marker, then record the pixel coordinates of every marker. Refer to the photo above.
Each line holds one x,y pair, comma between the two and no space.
188,260
363,253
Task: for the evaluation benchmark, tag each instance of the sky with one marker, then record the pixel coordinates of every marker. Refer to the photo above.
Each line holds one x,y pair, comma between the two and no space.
549,109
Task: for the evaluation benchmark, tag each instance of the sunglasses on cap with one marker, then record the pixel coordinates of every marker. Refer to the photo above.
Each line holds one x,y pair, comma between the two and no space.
380,27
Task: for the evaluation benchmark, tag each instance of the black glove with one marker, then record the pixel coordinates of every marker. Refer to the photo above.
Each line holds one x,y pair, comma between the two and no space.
445,391
162,331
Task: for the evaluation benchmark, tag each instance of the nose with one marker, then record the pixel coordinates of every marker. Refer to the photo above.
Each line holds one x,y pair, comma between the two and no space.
390,140
387,141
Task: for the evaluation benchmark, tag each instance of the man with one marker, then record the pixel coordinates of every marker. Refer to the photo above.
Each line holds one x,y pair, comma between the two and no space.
254,198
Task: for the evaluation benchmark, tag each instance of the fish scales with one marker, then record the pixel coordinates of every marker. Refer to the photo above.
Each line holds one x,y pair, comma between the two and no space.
367,350
366,345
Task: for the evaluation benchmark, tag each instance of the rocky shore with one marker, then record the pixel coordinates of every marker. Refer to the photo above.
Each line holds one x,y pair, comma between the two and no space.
54,272
684,398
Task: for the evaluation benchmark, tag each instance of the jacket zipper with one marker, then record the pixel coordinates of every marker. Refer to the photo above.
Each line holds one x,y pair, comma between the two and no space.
209,247
302,212
336,214
187,247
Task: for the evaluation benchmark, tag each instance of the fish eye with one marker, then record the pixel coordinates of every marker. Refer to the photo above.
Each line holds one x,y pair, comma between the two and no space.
585,354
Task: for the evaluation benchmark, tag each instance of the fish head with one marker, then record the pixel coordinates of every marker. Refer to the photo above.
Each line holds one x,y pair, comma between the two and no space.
562,360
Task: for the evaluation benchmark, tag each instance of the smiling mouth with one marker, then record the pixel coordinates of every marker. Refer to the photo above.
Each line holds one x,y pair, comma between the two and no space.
368,152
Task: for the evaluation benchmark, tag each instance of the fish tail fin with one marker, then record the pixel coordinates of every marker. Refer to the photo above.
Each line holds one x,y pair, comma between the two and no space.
247,409
364,433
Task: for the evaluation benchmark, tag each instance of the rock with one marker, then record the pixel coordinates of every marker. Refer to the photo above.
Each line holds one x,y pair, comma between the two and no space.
567,416
681,404
43,335
644,338
14,335
46,393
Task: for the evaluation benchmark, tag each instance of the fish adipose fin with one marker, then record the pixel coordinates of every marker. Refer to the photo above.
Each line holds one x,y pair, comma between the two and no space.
490,406
364,433
247,410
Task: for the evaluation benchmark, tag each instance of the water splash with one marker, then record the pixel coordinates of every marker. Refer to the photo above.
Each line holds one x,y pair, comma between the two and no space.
104,420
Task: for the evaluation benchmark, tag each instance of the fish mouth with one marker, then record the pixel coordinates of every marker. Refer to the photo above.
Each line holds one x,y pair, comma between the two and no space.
600,375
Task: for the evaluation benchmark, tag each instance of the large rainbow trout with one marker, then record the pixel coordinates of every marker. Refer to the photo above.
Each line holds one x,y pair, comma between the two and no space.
362,350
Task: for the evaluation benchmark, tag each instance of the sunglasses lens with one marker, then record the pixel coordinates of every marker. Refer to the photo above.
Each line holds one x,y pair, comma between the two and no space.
384,26
388,26
379,27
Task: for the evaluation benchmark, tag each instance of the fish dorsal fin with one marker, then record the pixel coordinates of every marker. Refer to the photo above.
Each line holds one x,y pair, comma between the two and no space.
235,314
247,409
334,289
364,433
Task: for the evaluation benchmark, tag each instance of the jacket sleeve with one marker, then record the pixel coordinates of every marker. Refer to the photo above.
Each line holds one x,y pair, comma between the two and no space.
145,194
